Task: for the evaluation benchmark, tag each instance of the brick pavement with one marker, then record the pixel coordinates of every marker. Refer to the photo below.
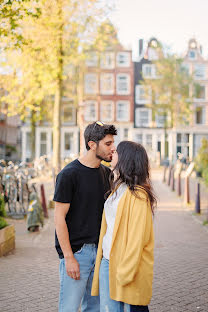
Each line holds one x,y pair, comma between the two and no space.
29,276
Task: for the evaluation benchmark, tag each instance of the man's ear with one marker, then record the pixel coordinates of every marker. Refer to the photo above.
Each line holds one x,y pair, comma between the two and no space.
92,145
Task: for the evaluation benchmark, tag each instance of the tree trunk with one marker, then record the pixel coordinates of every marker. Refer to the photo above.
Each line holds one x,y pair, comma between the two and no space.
57,128
81,110
58,94
33,134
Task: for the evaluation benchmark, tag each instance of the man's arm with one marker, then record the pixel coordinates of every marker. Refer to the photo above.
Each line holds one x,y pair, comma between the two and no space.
72,266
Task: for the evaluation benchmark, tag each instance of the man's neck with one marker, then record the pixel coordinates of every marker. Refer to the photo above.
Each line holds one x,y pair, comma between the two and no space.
90,160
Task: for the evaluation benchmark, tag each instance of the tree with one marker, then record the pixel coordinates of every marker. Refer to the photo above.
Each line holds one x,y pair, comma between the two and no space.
55,45
169,93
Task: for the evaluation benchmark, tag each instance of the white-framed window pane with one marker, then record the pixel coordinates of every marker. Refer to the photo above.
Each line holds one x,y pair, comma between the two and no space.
106,111
142,117
90,112
160,120
148,70
68,113
149,141
139,138
126,134
141,96
199,71
91,83
200,116
107,60
92,60
122,111
123,59
28,144
200,92
123,84
107,83
43,143
68,139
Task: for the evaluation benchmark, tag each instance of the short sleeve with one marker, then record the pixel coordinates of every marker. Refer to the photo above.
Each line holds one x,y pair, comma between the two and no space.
64,187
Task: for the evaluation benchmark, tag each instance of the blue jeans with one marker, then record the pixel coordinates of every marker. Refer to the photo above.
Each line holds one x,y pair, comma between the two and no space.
106,303
76,292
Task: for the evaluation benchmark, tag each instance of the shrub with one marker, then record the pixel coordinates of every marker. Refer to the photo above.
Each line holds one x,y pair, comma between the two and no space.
201,160
3,223
2,207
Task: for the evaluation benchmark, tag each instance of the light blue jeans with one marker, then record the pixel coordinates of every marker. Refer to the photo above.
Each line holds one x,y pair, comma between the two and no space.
106,303
76,292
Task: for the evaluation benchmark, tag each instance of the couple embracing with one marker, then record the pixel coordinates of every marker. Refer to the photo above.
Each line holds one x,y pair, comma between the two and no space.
106,255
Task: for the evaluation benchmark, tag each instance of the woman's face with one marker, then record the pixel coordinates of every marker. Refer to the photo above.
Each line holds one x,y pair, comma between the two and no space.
114,159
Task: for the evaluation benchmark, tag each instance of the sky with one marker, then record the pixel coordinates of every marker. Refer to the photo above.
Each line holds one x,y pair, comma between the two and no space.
173,22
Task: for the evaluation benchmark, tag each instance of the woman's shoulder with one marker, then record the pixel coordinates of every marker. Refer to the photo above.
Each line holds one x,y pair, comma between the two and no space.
139,192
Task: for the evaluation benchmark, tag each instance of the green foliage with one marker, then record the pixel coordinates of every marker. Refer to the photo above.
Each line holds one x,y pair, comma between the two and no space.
3,223
168,93
2,207
201,160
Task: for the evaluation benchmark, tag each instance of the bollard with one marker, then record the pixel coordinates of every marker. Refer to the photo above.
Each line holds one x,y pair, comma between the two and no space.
179,184
186,193
169,175
164,174
198,200
43,201
173,180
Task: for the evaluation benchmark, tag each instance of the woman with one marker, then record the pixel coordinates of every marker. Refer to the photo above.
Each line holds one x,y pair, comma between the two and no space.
124,265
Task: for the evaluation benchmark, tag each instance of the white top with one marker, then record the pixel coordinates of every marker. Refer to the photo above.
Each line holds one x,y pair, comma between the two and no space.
110,207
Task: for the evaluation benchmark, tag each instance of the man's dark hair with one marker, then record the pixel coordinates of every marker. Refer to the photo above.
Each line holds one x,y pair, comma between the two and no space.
97,131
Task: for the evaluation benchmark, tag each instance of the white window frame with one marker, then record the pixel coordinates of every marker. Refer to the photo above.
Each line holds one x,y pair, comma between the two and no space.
67,104
205,95
71,141
118,90
92,60
138,100
203,115
138,122
127,60
153,71
199,77
103,110
136,138
104,88
87,115
90,76
126,117
107,60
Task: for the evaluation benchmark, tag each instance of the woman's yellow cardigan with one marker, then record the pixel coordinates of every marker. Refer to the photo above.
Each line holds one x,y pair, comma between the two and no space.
131,256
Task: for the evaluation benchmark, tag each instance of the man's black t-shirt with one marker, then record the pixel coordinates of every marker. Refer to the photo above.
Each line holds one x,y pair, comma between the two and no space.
84,189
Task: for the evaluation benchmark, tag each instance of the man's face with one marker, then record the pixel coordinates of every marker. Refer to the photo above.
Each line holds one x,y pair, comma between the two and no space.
105,148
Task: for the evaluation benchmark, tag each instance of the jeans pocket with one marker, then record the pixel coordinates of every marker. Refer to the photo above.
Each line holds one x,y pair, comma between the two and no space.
79,251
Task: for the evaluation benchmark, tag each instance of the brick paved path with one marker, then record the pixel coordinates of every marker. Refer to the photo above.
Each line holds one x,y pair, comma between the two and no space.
29,276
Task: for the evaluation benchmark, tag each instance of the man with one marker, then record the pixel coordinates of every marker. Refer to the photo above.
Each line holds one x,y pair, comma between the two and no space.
79,200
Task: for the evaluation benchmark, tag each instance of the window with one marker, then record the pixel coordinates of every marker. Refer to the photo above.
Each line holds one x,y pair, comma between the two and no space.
192,54
106,111
185,68
123,59
68,113
122,111
149,141
141,95
92,60
200,116
43,143
91,83
139,138
126,133
90,113
160,120
28,145
199,92
199,71
149,71
107,84
107,60
142,117
123,84
68,139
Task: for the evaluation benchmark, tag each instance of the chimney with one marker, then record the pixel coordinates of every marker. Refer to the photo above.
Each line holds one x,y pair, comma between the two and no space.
140,47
